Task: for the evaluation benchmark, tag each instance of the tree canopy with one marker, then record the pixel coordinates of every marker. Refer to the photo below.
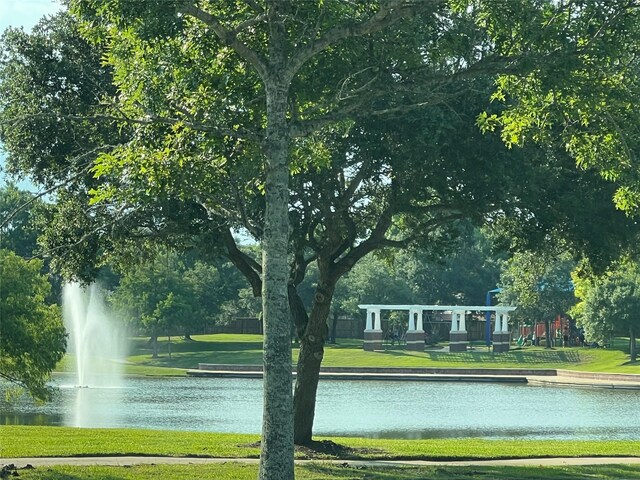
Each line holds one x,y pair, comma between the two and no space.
19,211
172,294
33,338
609,302
539,283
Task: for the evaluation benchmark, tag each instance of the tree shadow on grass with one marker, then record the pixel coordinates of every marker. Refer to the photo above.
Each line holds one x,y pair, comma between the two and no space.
480,357
190,354
61,473
200,346
327,449
191,360
522,357
353,472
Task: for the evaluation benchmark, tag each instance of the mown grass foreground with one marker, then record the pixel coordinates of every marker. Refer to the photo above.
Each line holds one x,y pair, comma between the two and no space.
32,441
247,350
20,441
323,471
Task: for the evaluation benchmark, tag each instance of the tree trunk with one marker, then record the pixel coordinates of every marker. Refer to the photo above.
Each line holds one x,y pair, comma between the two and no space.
334,327
154,344
309,362
547,333
276,454
633,350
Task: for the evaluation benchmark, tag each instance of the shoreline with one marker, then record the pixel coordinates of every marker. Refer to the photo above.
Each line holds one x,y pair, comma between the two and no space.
556,377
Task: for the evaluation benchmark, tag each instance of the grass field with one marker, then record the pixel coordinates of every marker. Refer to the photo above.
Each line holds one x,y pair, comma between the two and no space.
20,441
323,471
28,441
247,350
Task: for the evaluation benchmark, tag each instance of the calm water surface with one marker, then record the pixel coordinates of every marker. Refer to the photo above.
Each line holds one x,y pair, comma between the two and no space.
346,408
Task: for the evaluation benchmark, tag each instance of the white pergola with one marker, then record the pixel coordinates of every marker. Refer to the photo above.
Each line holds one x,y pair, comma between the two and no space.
458,321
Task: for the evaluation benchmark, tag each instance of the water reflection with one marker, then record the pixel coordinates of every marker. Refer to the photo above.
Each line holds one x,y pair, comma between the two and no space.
346,408
94,406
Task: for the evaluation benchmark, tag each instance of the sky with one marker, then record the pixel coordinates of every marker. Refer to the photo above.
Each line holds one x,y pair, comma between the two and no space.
23,13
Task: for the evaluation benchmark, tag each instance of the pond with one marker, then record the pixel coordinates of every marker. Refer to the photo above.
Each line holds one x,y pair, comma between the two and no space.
379,409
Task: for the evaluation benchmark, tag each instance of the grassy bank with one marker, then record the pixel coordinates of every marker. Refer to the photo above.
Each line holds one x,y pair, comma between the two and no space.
323,471
247,350
63,441
31,441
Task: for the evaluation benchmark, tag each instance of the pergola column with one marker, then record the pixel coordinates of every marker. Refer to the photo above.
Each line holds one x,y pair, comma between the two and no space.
369,325
412,320
373,330
419,325
415,334
501,335
498,326
377,320
458,335
505,322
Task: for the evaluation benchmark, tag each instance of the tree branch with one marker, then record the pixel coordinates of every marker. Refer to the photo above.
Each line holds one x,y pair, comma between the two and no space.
229,38
148,120
243,262
303,128
88,234
255,6
248,23
390,12
42,193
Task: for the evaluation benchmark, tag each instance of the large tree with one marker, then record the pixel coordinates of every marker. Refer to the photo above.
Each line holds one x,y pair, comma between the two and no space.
539,284
204,90
32,339
608,302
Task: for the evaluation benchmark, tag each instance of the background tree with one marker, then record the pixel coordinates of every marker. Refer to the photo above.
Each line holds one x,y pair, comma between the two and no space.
18,211
213,288
540,286
462,277
373,280
32,339
609,303
170,293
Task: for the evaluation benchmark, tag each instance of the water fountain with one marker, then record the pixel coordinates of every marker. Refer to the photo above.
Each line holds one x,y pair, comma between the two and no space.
97,345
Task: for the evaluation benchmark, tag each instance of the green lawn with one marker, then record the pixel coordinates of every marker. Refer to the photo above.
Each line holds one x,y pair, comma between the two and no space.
324,471
21,441
247,350
26,441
